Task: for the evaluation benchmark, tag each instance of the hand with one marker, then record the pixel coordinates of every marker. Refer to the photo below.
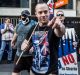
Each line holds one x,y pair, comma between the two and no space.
31,50
7,24
8,28
12,44
25,45
55,23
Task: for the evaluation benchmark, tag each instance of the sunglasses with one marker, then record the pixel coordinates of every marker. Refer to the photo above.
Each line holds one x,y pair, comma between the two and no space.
60,14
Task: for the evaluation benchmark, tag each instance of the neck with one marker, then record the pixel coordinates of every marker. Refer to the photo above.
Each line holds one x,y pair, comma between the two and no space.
42,24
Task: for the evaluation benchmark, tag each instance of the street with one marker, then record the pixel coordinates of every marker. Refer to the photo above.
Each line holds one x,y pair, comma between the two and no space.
6,69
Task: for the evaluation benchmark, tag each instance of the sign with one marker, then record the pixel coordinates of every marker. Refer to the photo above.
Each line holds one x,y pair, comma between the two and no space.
68,65
67,61
60,3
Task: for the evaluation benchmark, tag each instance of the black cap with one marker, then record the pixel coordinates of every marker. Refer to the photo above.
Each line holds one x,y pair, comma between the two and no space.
25,12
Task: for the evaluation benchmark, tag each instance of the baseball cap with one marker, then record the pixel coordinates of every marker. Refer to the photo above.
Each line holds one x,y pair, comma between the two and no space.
25,12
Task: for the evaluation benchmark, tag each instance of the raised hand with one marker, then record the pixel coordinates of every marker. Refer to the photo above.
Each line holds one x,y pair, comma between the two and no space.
55,23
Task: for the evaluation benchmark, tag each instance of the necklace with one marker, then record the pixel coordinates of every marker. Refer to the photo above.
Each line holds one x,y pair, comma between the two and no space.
41,32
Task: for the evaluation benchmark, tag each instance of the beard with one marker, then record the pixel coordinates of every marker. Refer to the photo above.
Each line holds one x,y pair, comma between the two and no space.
44,23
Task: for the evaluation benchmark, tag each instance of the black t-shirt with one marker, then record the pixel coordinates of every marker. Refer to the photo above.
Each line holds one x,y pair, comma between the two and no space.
45,51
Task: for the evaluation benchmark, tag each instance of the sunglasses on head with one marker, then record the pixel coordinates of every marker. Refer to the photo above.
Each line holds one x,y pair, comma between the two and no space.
60,14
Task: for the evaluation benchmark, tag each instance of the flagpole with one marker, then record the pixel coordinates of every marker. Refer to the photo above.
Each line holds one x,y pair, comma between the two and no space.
52,8
28,43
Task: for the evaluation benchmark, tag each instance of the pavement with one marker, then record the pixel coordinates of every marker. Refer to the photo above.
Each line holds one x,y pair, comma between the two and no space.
79,68
6,69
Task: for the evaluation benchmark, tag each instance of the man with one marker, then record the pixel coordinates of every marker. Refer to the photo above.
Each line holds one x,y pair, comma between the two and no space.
21,33
45,41
60,15
7,31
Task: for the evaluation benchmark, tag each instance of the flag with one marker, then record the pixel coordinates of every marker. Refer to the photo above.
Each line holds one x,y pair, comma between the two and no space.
50,3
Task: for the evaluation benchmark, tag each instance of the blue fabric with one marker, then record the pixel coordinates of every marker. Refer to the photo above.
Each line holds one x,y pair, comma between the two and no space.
9,51
2,26
66,46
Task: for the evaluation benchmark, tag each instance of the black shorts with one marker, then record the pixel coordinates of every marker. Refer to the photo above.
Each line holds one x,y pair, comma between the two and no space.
25,63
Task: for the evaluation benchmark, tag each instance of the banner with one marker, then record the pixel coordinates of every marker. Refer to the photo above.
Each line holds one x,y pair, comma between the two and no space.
60,3
57,4
67,61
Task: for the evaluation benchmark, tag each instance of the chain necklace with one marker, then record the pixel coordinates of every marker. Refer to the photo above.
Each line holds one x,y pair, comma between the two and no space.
41,33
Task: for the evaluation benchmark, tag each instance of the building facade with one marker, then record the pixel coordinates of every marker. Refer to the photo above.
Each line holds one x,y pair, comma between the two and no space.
78,7
68,9
14,7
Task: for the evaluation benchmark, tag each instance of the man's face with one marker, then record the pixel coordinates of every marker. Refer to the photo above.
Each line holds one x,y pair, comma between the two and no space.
60,15
42,13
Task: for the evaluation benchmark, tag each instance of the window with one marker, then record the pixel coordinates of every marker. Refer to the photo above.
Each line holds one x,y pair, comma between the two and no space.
14,3
68,6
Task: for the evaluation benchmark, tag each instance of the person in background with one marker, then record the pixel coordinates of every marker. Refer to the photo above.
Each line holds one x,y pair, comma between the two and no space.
7,31
21,33
45,41
60,15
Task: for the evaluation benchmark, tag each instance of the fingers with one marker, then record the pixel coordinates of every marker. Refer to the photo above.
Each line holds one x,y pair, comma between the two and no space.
54,26
24,45
31,50
54,23
12,44
51,22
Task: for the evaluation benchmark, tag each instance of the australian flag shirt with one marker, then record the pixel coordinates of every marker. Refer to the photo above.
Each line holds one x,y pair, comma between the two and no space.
45,51
41,58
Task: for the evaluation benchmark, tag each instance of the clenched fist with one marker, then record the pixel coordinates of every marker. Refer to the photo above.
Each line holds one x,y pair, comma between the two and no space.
25,45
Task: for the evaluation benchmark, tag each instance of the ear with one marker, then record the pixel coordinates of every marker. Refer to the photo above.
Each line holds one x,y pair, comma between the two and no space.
35,13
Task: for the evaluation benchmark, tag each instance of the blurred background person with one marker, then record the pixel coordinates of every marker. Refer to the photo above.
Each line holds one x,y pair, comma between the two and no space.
7,31
60,15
